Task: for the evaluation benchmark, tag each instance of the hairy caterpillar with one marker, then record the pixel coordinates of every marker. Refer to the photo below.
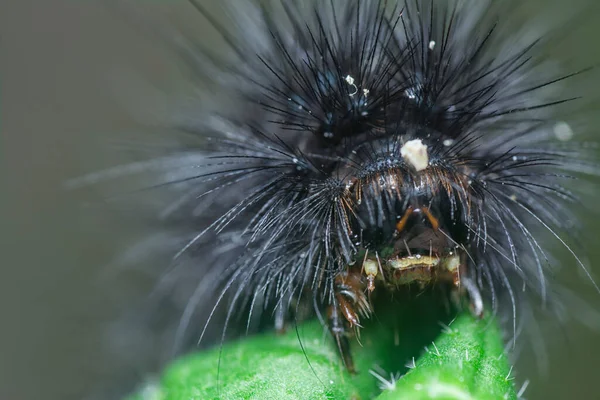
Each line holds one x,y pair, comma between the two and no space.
369,146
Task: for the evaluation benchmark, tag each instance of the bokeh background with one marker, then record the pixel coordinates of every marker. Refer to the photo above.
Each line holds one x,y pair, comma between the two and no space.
70,98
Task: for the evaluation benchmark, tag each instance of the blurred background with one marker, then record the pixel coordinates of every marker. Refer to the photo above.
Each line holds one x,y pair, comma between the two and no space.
69,99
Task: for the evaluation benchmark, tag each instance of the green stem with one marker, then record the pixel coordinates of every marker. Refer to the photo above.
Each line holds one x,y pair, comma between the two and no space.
465,361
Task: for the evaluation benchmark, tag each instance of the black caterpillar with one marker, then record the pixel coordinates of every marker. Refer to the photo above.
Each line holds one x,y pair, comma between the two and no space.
366,146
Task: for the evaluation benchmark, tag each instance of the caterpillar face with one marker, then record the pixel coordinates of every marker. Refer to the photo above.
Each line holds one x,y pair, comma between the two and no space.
401,190
409,207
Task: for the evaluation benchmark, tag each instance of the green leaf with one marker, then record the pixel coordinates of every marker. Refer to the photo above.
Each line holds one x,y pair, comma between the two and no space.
465,361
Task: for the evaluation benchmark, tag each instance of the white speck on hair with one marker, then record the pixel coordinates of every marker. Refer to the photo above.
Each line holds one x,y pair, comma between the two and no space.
350,81
410,93
448,142
331,382
432,45
414,152
563,131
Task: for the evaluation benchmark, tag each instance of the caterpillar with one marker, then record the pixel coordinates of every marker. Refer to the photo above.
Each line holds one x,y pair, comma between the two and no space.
367,147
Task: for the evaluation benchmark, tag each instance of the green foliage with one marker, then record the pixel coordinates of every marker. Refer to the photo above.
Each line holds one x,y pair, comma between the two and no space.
464,361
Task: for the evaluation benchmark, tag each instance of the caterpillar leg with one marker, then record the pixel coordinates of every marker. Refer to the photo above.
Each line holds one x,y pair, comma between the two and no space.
475,298
464,285
349,304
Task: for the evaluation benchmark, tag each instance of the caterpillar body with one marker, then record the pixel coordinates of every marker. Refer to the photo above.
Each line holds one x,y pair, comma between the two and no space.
366,147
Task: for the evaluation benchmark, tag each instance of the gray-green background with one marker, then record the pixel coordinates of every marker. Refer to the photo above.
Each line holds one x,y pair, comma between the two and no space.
65,100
